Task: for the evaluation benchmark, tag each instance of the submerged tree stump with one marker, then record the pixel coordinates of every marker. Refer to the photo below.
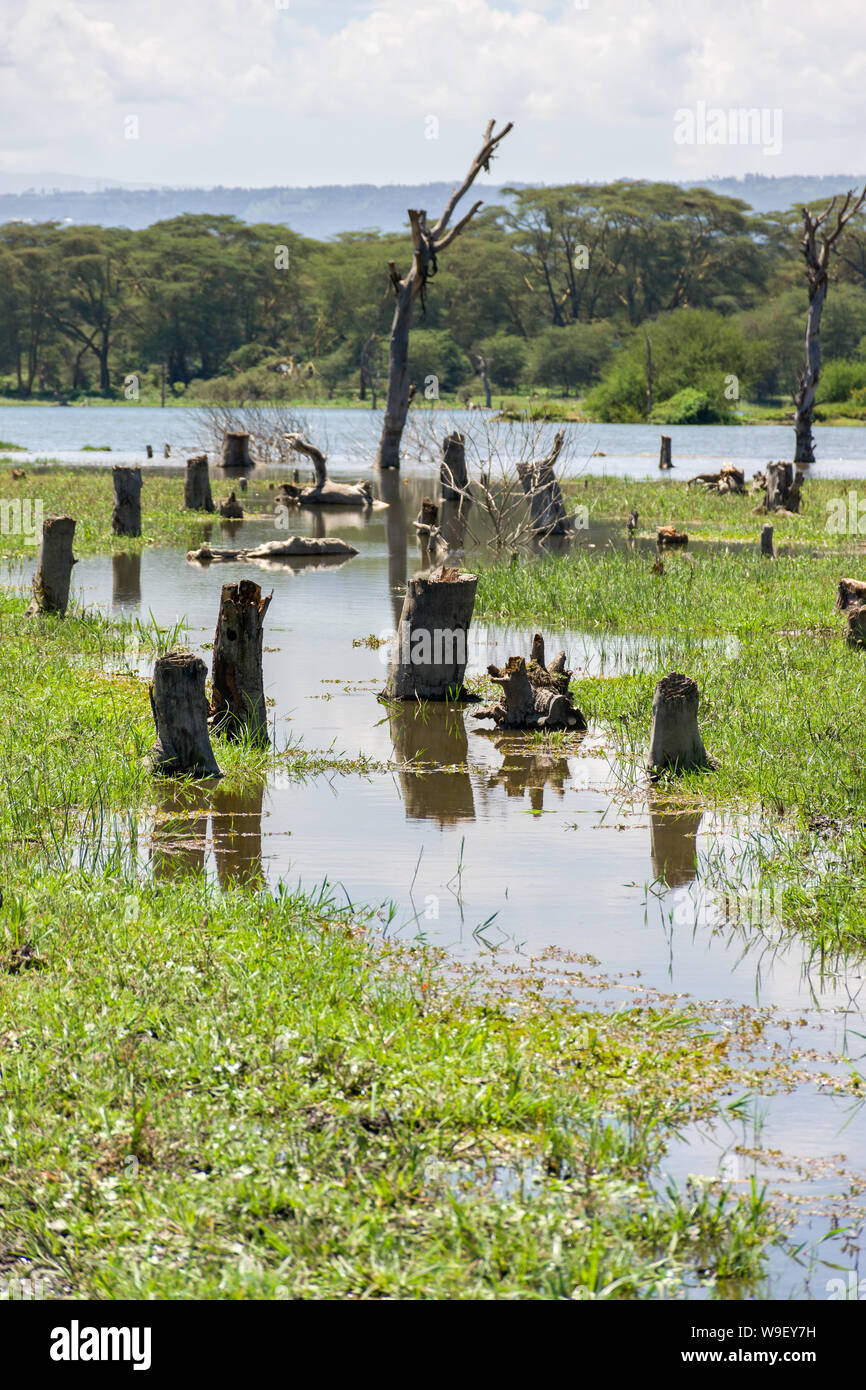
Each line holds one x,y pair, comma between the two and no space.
432,638
547,509
197,496
231,508
126,514
453,474
665,461
530,703
238,696
54,570
767,547
675,739
236,450
179,704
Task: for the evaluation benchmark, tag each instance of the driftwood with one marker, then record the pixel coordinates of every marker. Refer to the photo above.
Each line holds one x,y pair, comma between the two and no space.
728,479
197,496
293,547
547,509
54,569
665,461
675,739
238,697
767,547
453,474
126,513
236,450
179,705
670,536
326,493
431,648
231,508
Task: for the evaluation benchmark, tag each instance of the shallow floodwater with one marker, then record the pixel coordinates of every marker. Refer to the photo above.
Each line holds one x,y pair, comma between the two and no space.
494,846
350,438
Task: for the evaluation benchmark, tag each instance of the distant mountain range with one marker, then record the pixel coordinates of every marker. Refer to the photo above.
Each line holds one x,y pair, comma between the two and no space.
321,212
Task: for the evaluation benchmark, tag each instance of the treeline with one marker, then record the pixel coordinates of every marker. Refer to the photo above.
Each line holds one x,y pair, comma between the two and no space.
646,299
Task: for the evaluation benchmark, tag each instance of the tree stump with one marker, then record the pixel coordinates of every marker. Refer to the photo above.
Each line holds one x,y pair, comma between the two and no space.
547,509
236,450
126,514
325,492
238,696
670,536
529,703
851,592
432,638
231,507
856,634
179,704
665,461
783,487
453,474
675,739
767,547
197,496
54,570
149,450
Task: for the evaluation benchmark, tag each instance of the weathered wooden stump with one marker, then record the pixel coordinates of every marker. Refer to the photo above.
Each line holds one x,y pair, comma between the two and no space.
432,637
856,634
767,547
238,697
531,701
324,492
231,507
54,570
783,487
126,514
236,450
851,592
675,739
126,577
149,450
453,474
665,461
670,536
179,704
197,496
547,509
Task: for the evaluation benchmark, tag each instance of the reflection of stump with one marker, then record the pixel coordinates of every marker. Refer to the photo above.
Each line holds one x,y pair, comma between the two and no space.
126,577
432,738
236,819
432,637
236,450
54,571
179,707
767,547
179,839
238,701
675,739
126,516
665,461
453,475
673,845
197,495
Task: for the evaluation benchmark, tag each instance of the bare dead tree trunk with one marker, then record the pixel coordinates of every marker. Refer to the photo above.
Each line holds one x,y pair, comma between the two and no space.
427,245
649,376
665,460
485,379
432,637
54,570
197,496
453,475
126,513
238,698
179,704
549,517
236,450
675,739
816,251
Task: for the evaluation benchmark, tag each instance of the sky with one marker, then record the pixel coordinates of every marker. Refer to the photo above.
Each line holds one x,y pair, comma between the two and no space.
298,92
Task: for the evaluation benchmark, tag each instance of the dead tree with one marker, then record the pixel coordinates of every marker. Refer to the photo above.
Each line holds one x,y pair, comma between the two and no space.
54,570
485,379
197,496
453,474
179,705
675,739
816,246
238,697
783,487
431,648
326,493
236,450
665,461
126,513
549,517
427,245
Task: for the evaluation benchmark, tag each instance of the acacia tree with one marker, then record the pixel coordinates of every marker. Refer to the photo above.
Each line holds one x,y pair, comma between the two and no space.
816,246
427,243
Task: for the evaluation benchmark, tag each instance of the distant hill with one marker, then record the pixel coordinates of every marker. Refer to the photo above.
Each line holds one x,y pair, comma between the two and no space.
322,212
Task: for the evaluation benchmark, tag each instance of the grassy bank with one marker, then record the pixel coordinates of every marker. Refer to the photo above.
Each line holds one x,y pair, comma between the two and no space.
236,1093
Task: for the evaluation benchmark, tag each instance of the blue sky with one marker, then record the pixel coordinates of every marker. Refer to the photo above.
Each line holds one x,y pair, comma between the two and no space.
342,91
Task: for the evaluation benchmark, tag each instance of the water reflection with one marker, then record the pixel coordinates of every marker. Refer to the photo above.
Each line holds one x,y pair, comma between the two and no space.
396,537
434,735
236,820
673,844
527,771
126,578
179,842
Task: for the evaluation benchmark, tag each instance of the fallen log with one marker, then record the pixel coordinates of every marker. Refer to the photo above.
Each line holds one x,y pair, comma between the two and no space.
851,592
432,648
179,705
126,512
325,493
238,698
675,739
728,479
54,568
293,547
453,474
